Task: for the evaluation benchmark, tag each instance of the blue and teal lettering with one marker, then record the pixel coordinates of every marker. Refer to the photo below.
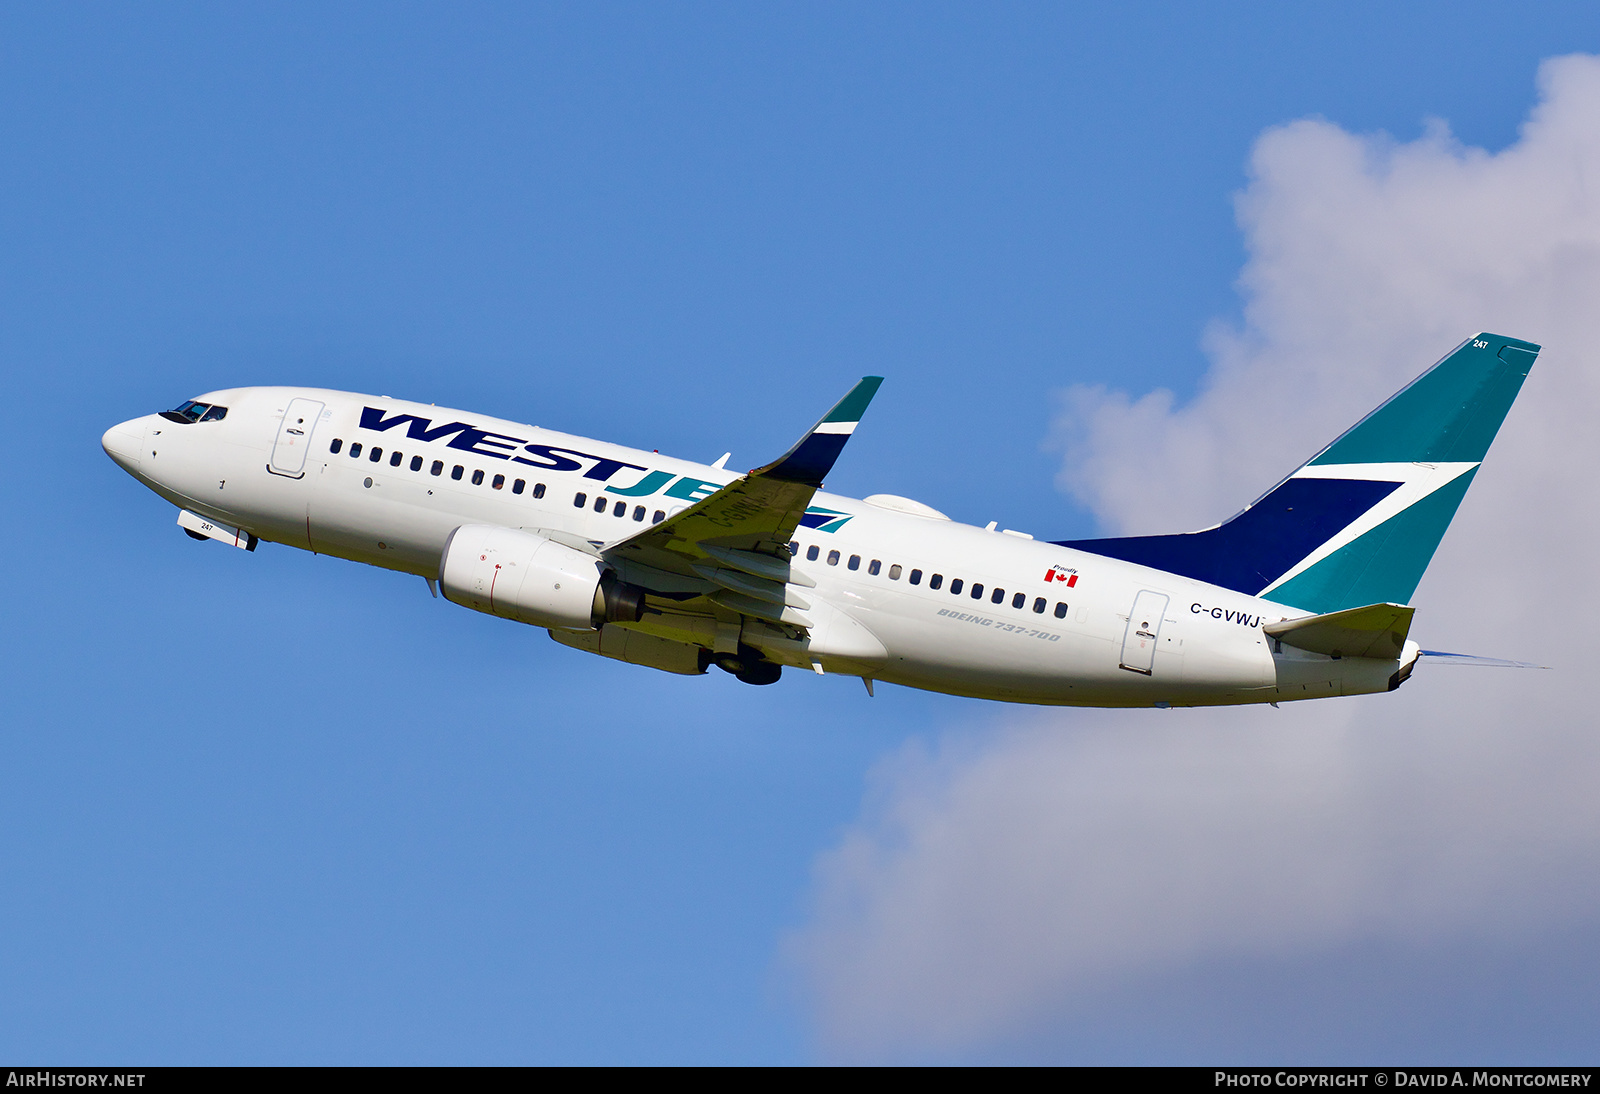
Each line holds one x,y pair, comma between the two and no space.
472,440
651,482
692,489
418,428
481,442
556,458
550,461
603,468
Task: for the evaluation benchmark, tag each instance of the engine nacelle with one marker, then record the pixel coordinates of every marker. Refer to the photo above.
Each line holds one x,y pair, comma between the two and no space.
526,577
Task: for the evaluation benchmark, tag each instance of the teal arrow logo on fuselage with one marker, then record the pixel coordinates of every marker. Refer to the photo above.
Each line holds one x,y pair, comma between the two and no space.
824,520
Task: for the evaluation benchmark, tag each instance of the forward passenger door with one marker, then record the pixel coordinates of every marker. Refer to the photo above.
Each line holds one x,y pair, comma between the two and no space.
294,438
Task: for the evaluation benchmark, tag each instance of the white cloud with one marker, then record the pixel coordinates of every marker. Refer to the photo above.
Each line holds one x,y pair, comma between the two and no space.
1017,871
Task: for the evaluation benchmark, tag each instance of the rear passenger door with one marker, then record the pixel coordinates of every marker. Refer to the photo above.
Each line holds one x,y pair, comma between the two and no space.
1144,627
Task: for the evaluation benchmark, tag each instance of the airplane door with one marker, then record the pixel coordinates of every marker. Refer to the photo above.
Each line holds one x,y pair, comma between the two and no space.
294,438
1144,625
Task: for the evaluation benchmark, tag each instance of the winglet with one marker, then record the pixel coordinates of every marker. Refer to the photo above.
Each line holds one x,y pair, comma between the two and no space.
813,456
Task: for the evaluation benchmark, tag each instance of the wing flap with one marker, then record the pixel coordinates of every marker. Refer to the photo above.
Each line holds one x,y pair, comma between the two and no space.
759,565
752,514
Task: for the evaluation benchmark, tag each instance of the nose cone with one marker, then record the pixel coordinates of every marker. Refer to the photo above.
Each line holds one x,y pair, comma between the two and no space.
124,442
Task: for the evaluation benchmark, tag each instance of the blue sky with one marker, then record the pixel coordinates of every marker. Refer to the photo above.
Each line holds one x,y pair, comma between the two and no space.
275,808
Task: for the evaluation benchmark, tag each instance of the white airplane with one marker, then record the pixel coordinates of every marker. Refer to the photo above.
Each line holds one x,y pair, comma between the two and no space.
679,565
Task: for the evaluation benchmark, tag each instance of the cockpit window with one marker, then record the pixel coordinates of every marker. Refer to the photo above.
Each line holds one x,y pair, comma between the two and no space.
192,412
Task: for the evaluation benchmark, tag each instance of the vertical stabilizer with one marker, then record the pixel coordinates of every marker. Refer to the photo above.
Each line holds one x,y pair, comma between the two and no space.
1359,522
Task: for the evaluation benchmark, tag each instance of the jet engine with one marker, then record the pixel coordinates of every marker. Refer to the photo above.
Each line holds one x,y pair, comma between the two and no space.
526,577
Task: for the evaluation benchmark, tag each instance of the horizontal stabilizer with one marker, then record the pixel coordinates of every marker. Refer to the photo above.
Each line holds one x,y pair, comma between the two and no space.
1439,657
1377,630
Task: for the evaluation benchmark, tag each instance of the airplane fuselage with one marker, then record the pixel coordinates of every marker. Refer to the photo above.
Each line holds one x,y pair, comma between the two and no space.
896,593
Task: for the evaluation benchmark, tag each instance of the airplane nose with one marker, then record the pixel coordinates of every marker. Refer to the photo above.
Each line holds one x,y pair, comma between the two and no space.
124,442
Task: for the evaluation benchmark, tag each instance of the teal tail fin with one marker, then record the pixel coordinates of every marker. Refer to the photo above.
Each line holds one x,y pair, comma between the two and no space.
1358,524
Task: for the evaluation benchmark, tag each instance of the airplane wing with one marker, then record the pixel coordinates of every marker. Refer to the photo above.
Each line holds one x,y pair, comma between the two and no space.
746,526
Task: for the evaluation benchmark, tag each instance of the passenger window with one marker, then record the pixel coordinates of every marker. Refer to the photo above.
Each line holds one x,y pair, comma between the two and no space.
855,562
658,516
1038,605
600,505
812,552
833,558
416,463
580,501
396,459
873,567
335,446
377,454
1019,600
977,591
794,548
516,487
916,577
355,450
955,586
498,483
894,572
638,512
997,597
620,509
477,476
935,581
1061,611
437,469
538,489
455,472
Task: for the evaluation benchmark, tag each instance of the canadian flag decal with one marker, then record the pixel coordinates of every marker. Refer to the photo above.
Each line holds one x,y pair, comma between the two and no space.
1062,573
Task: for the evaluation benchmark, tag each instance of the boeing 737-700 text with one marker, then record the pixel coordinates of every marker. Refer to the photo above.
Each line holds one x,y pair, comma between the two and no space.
680,566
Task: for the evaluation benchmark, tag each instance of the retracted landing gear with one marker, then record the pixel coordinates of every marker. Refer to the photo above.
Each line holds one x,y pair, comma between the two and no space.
749,666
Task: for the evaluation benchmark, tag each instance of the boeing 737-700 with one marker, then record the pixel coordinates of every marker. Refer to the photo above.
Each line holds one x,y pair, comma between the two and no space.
680,566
